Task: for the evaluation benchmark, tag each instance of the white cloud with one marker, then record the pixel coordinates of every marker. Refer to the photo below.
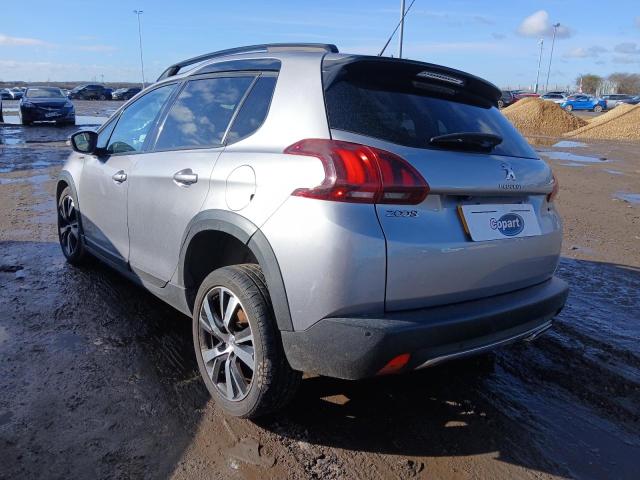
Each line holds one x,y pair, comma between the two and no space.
581,52
538,25
95,48
33,71
627,47
7,41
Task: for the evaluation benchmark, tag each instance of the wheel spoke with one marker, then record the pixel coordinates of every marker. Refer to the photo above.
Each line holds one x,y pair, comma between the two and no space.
245,354
212,321
65,239
244,336
231,309
227,378
73,242
237,378
61,212
204,324
218,363
209,354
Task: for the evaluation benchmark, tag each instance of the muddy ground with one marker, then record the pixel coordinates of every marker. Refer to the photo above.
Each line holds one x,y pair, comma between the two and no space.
98,378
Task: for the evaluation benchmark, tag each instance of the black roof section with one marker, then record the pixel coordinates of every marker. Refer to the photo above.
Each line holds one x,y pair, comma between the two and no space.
267,47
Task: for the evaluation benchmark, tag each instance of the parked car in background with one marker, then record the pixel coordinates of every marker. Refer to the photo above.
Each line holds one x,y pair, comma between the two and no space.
5,94
125,93
520,94
277,200
631,101
584,102
613,99
554,97
46,104
506,98
17,93
90,92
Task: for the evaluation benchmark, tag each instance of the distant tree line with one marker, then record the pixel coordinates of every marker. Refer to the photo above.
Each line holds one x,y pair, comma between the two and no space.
620,82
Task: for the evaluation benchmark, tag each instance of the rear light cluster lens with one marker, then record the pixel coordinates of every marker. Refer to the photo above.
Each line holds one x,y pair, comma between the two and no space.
360,174
556,188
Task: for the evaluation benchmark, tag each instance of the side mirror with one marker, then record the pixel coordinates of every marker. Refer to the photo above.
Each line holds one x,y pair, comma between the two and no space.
85,141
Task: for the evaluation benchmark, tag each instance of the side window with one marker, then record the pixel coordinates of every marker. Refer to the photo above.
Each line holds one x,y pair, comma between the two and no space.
137,120
201,113
105,133
254,110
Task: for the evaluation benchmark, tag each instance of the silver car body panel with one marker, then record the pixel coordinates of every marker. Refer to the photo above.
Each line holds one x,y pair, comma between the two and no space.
335,258
160,208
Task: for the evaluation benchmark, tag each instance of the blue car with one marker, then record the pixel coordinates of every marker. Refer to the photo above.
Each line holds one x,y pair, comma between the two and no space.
584,102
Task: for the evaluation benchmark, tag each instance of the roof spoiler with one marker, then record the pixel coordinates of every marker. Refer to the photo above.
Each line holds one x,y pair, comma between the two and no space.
266,47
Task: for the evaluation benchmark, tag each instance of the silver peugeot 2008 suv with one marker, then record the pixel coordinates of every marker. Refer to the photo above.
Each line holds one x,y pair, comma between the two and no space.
312,211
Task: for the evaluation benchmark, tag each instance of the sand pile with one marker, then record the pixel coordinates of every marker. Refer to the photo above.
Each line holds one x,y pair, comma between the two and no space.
533,116
621,123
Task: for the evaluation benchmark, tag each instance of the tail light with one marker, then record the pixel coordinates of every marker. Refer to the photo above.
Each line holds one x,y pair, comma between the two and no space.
554,192
360,174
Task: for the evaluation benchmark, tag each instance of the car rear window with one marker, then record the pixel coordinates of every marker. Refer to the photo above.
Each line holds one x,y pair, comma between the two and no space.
409,110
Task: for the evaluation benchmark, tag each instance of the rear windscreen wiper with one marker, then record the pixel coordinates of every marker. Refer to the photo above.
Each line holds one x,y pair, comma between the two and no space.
467,141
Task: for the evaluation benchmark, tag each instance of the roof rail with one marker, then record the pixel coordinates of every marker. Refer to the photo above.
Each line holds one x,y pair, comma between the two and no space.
266,47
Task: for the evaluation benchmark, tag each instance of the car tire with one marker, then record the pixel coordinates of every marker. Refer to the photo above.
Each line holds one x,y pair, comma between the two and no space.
500,103
223,350
102,97
568,108
597,108
23,121
70,228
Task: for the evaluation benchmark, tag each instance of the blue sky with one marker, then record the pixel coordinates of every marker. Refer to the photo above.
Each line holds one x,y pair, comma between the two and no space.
69,40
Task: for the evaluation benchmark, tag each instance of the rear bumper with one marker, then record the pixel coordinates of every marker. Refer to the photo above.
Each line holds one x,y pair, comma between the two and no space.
358,347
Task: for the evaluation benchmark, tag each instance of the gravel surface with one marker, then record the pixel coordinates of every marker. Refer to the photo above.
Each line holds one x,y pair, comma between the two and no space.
621,123
533,116
98,378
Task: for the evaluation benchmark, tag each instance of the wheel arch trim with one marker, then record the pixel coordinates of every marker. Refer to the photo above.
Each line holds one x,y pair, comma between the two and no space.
250,235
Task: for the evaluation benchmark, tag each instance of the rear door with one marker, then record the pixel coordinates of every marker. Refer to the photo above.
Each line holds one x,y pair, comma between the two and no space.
432,258
169,185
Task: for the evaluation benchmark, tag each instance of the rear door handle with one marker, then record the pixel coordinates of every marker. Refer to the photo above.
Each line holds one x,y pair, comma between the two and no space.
119,176
185,177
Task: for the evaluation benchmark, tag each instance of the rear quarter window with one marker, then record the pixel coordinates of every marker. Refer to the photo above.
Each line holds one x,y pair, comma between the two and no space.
254,110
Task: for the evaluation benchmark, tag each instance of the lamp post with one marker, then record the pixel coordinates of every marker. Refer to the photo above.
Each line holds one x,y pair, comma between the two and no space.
553,42
138,13
541,43
402,13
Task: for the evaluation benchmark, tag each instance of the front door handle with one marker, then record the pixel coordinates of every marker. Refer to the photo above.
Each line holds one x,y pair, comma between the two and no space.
185,177
119,176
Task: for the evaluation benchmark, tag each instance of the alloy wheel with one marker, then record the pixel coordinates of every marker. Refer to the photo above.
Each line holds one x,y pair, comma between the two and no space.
68,226
226,343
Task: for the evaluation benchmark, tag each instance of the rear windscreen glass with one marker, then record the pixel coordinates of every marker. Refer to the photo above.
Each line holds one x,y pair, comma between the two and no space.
410,112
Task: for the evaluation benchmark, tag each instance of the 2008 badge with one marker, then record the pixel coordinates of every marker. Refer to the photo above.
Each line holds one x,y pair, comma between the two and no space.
401,213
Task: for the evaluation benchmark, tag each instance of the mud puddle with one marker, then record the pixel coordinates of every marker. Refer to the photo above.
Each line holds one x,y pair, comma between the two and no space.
572,157
629,197
569,144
